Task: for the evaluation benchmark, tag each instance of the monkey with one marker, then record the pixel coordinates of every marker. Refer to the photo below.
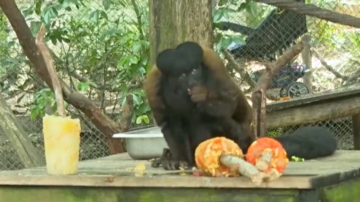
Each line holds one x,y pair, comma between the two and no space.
169,100
171,87
193,99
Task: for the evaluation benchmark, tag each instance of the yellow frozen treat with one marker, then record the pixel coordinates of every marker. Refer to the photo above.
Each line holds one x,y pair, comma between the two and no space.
62,144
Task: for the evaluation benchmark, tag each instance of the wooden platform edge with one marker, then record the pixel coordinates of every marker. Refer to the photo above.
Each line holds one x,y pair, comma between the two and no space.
326,180
153,182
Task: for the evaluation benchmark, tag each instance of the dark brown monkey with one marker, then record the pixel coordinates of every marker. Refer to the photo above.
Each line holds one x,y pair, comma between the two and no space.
193,98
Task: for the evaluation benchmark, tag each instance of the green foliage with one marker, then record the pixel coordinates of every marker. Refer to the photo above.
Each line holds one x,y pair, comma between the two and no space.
42,99
275,132
101,48
354,38
104,49
297,159
252,12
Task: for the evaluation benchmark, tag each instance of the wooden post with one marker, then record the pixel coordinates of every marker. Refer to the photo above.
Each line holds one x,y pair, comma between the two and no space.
18,138
356,131
174,21
306,58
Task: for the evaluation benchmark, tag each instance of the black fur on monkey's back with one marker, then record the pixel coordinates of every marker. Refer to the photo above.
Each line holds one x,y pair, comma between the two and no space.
309,142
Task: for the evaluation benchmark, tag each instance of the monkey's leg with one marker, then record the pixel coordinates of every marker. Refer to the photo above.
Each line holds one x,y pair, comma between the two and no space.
199,132
238,132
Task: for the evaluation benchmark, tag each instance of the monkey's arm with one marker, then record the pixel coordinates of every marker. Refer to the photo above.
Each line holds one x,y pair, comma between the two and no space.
219,94
152,87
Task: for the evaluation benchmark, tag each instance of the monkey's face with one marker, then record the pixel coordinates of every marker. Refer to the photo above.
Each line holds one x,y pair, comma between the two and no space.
191,78
187,80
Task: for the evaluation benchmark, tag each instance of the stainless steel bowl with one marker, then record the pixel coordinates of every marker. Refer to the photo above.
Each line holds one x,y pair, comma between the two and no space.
144,144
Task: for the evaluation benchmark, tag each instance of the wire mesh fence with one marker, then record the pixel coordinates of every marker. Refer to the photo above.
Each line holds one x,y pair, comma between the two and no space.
265,32
97,46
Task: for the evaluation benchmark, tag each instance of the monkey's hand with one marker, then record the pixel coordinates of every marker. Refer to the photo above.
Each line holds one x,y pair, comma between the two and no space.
217,104
168,162
201,94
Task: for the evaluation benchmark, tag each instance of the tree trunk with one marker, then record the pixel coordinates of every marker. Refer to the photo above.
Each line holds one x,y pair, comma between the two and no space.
306,58
18,138
173,22
107,126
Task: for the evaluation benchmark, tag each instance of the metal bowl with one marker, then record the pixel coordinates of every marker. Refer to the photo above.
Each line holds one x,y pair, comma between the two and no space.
144,144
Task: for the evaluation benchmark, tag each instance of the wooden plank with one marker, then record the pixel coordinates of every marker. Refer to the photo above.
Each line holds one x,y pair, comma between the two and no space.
153,181
313,113
118,171
96,194
122,164
327,96
341,156
347,191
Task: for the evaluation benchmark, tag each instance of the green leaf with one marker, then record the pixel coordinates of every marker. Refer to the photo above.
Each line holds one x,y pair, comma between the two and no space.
65,3
146,119
28,11
106,4
242,6
138,120
143,118
38,6
122,100
143,108
139,92
218,14
250,8
94,16
221,13
108,33
222,2
103,14
82,86
54,12
136,47
136,99
133,60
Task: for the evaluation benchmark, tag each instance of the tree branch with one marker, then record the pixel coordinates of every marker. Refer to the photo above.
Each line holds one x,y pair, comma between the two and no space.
327,66
244,75
27,41
49,61
314,11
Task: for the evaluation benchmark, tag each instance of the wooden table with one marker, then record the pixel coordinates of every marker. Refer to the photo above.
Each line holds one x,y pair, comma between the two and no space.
112,179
